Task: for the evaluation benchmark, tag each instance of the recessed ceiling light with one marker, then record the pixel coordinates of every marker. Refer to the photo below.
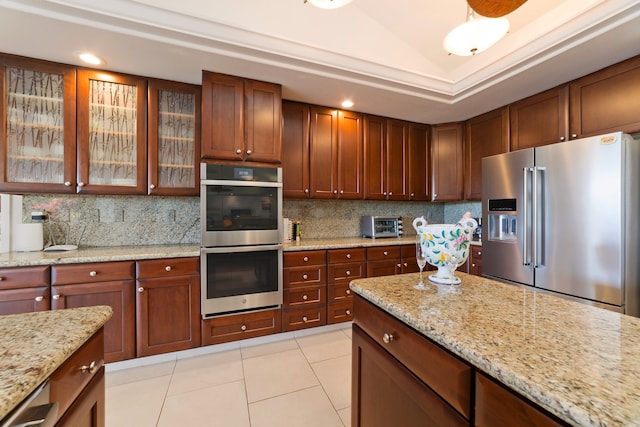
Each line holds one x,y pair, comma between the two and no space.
347,104
90,58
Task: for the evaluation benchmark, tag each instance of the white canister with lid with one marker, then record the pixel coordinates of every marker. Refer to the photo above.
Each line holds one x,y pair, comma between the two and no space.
27,237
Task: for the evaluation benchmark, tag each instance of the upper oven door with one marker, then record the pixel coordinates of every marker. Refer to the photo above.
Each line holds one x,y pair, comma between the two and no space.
240,212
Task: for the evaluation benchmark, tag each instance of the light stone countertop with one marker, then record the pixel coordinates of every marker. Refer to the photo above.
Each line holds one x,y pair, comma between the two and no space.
34,345
132,253
580,362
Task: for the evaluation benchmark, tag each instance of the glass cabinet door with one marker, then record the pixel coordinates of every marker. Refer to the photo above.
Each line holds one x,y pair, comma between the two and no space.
111,133
174,138
37,125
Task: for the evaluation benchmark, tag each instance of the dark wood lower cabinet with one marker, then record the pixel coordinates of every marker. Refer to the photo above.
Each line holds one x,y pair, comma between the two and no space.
235,327
385,393
89,409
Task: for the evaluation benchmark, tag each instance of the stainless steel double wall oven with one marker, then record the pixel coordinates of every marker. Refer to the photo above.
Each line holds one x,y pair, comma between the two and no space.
241,250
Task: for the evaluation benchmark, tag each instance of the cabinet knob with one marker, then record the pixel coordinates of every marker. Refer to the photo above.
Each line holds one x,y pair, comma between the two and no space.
348,291
1,279
348,312
562,138
152,186
56,297
248,152
385,253
479,252
399,265
81,184
93,273
335,191
304,297
243,327
304,319
305,276
39,298
238,151
384,193
67,183
93,366
391,193
473,265
141,289
305,259
435,196
387,338
412,194
306,190
348,256
406,264
574,135
341,191
167,268
348,273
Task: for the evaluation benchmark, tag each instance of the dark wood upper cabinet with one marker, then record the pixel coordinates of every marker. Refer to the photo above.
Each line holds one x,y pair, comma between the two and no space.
485,135
606,101
174,138
397,147
37,126
336,165
295,149
111,133
541,119
447,163
418,162
242,119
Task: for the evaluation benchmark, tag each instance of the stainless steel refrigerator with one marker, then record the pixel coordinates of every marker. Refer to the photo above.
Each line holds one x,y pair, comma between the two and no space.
564,218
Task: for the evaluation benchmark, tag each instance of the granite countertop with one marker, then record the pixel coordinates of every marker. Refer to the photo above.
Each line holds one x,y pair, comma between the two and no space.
580,362
34,345
132,253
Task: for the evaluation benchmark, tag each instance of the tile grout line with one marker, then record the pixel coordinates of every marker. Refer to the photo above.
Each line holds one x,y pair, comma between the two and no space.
166,393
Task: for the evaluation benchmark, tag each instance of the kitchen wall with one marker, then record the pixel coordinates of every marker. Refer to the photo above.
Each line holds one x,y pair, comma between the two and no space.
155,220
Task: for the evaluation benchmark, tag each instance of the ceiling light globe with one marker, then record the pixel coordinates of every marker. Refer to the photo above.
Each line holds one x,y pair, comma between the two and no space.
475,36
328,4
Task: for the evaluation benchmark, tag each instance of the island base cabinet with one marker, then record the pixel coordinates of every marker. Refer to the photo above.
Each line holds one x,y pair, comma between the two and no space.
498,406
385,393
89,409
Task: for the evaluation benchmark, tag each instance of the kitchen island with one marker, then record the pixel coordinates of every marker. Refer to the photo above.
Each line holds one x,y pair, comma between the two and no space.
33,346
578,364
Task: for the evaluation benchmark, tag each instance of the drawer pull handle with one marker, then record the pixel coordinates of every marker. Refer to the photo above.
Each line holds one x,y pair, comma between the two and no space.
140,289
39,298
243,327
406,264
93,273
385,253
348,256
348,312
305,277
387,338
348,273
56,297
304,319
304,297
305,259
89,369
348,291
167,268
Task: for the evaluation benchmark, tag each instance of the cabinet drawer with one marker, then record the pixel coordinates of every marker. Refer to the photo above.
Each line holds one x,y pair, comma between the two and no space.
298,259
476,253
447,375
383,252
241,326
311,275
304,295
346,272
304,317
92,272
496,405
24,277
340,312
339,292
167,267
347,255
68,381
25,300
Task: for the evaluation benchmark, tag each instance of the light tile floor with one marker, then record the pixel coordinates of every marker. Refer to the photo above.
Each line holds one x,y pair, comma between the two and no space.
304,379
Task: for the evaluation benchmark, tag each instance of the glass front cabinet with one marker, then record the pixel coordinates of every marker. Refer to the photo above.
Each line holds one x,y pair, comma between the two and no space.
37,126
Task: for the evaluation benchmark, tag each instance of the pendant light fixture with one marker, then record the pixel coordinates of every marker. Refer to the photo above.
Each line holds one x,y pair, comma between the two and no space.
475,35
328,4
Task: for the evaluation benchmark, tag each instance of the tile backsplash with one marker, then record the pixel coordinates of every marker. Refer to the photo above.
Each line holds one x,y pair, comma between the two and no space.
156,220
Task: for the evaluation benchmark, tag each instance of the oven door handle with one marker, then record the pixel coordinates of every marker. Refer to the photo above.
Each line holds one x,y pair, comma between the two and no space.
205,182
232,249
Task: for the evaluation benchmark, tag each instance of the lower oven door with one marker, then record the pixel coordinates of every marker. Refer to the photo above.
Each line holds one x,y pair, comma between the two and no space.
240,278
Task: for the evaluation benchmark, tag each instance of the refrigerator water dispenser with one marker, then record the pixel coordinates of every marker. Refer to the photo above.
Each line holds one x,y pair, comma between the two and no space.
503,224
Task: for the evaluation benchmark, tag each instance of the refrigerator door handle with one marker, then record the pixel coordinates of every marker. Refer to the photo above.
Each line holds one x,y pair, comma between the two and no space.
535,229
525,216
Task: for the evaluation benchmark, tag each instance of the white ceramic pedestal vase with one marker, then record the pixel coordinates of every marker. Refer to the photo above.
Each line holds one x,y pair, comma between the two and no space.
446,246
